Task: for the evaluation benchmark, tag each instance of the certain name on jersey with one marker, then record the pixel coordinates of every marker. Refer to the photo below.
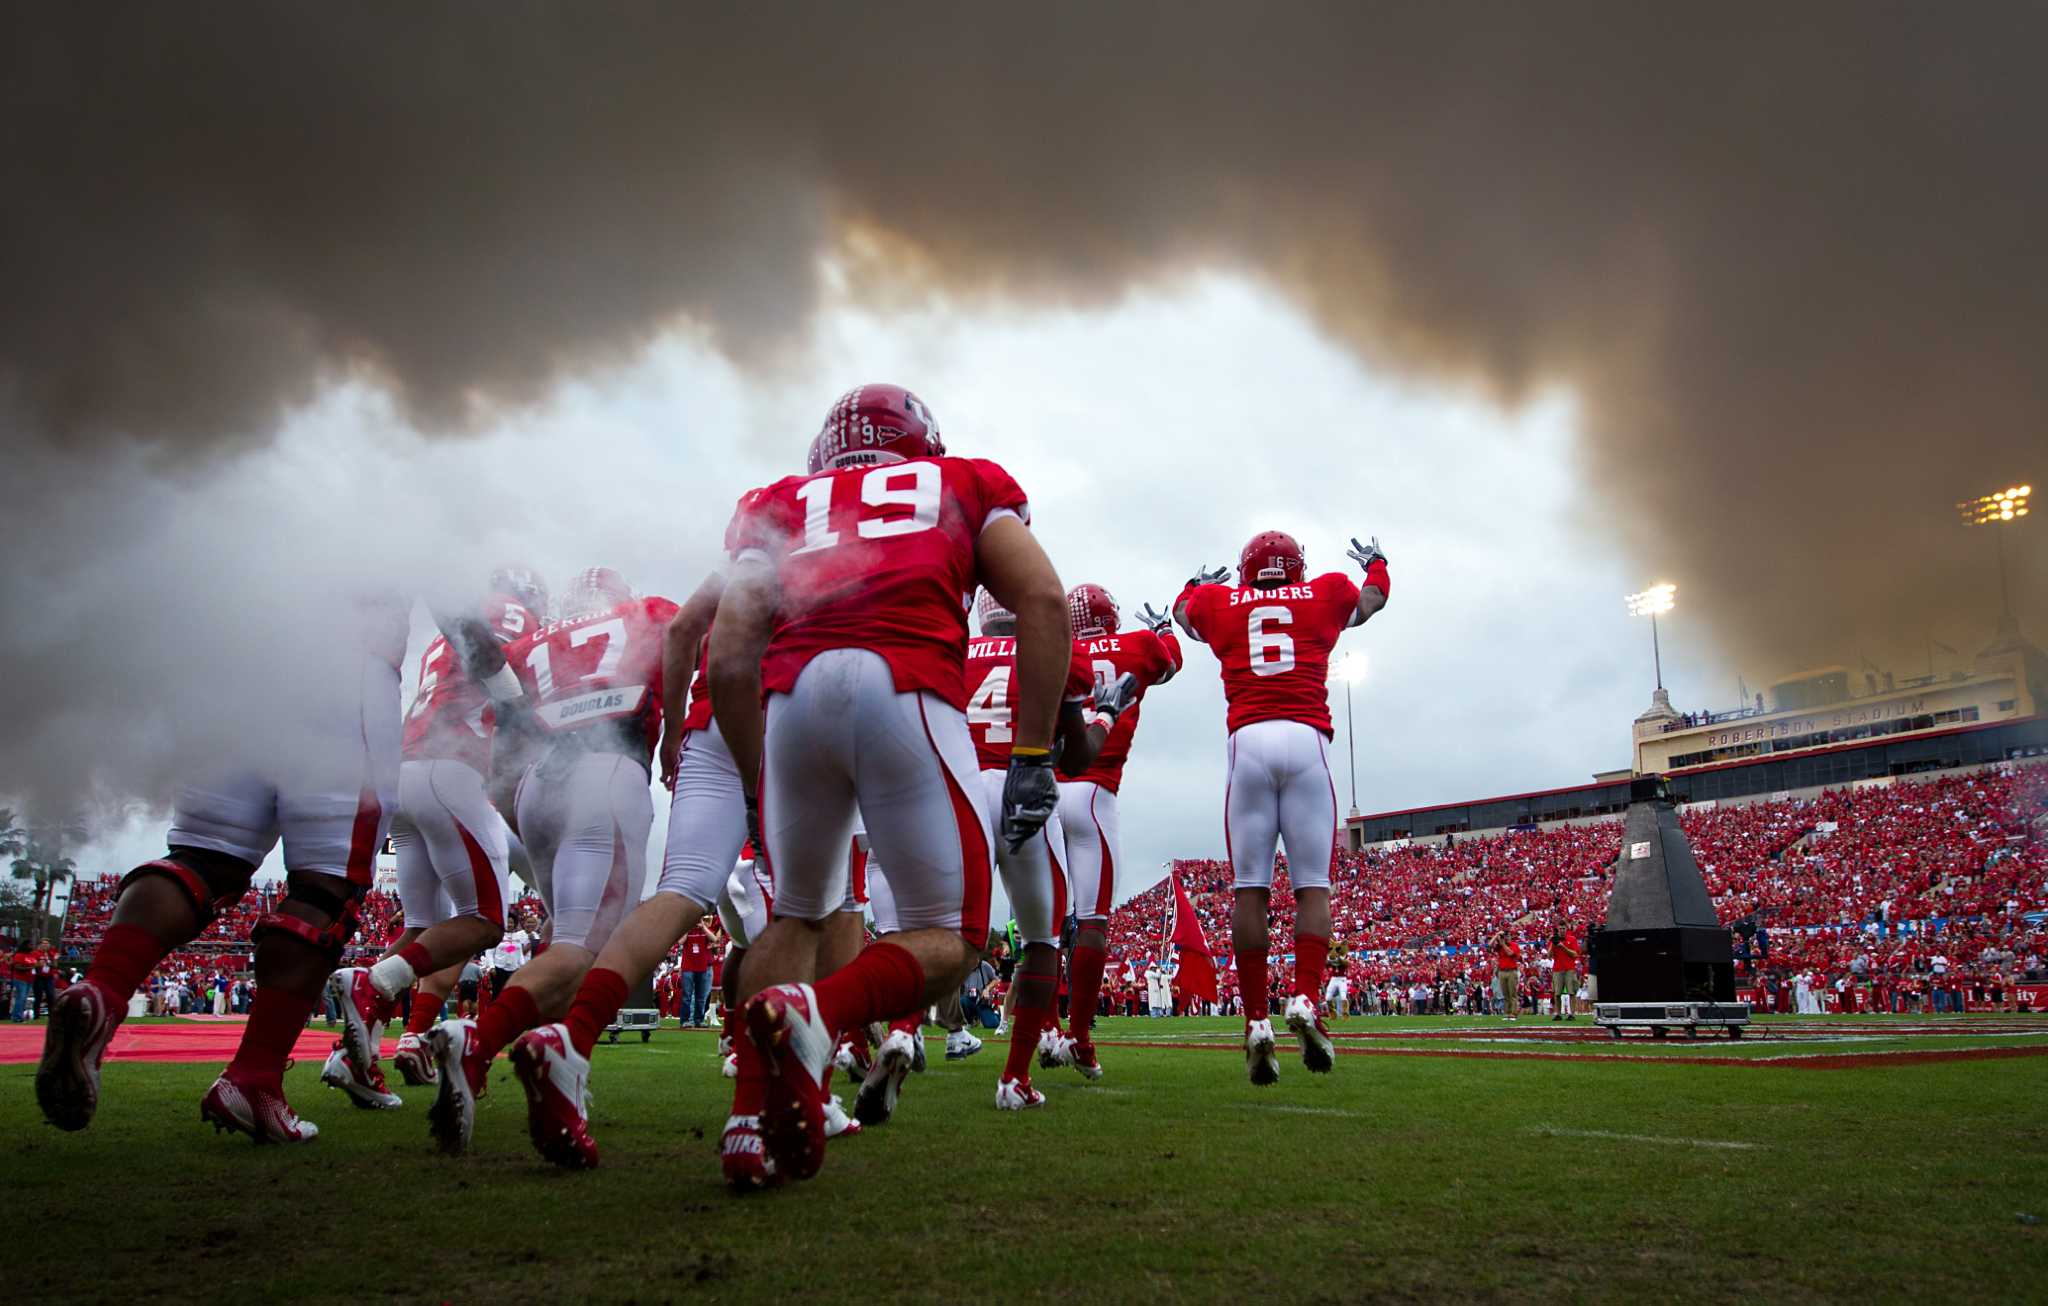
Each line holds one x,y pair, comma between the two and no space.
575,710
1001,646
1107,644
1267,596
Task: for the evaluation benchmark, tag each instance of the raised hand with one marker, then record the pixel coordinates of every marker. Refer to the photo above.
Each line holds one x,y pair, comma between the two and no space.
1210,576
1365,555
1155,621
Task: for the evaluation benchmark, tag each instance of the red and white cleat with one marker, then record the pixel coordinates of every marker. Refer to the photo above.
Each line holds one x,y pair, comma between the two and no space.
876,1101
744,1158
1017,1095
1054,1050
731,1069
1317,1052
557,1082
838,1124
1081,1056
1261,1060
82,1021
256,1109
795,1046
367,1092
415,1065
452,1118
351,990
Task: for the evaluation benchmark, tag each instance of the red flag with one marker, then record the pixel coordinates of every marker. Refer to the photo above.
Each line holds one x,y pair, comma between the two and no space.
1197,981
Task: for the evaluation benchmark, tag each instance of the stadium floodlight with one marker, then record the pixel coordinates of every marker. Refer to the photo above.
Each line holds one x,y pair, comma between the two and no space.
1350,669
1653,602
2002,508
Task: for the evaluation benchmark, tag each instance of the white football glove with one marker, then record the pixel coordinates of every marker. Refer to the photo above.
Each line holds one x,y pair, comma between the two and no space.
1210,576
1365,555
1155,621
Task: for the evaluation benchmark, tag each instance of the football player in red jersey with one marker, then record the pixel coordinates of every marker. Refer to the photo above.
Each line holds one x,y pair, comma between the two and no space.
322,776
1272,633
845,613
1035,875
583,809
1088,802
453,851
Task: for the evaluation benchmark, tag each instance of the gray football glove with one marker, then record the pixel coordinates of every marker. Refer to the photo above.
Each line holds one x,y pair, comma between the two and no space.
1210,576
1113,696
1365,555
1155,621
1031,794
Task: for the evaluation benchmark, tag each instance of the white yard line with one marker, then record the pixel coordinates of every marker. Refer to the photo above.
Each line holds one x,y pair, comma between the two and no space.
1646,1138
1286,1108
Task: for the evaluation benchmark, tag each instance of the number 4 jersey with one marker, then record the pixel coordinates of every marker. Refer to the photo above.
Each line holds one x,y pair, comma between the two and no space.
596,679
1274,645
992,695
876,557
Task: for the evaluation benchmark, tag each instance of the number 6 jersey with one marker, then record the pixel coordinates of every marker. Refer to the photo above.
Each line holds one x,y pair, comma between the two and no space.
877,557
1274,644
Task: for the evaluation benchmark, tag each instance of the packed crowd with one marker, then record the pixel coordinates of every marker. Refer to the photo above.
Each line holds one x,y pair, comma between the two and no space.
1870,894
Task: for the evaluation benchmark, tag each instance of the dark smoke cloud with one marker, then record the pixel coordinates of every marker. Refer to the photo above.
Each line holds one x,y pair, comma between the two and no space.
1789,257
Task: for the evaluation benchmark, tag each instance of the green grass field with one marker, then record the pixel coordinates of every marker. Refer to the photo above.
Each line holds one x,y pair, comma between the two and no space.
1395,1177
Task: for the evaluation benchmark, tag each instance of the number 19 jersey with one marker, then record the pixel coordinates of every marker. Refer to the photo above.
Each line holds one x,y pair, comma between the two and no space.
876,557
1274,645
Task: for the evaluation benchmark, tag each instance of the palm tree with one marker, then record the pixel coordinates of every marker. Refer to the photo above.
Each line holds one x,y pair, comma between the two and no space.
38,858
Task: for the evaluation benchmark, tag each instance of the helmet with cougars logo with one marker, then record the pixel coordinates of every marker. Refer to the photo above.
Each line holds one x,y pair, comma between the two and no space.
1092,609
594,591
993,617
875,424
1272,558
524,584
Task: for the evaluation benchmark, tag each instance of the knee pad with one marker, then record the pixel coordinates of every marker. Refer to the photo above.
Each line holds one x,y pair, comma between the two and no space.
214,881
318,892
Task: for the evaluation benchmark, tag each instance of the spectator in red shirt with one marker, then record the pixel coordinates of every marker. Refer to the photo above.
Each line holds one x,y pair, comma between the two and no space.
1564,975
694,970
1507,965
21,971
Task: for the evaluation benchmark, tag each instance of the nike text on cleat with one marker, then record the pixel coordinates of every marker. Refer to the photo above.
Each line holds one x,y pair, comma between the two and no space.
795,1046
1017,1095
452,1118
876,1101
258,1110
556,1078
1317,1053
82,1021
744,1158
369,1094
1261,1062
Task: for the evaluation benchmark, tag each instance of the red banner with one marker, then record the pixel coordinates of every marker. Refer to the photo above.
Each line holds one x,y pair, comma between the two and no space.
1197,980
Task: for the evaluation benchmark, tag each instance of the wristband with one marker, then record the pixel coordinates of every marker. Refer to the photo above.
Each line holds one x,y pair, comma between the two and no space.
503,685
1021,751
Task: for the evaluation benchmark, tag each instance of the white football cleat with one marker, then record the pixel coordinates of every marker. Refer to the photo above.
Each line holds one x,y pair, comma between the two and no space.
350,989
81,1023
557,1081
1054,1050
414,1063
744,1158
876,1101
842,1060
960,1044
731,1069
365,1091
1317,1052
452,1118
837,1122
1261,1060
1017,1095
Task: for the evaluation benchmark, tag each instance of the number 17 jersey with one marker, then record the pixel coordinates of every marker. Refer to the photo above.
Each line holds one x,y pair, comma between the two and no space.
878,557
1274,645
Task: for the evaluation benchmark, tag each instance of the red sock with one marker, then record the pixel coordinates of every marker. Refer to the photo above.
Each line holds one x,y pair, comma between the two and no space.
597,1005
1251,979
425,1006
510,1016
882,979
1311,954
416,956
1085,975
1030,1023
276,1017
127,953
910,1024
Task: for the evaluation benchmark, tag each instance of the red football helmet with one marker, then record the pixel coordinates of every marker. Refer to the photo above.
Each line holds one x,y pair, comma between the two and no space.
524,584
994,618
875,424
1272,558
1093,610
594,591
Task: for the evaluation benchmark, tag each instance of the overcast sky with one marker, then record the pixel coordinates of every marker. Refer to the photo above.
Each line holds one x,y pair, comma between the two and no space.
1152,435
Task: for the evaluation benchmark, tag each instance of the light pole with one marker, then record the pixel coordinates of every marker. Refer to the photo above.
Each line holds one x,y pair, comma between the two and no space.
1350,669
2004,508
1654,600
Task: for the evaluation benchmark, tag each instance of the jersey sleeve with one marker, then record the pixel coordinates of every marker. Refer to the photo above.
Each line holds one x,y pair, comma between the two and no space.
1201,604
1339,596
758,525
661,611
999,494
1080,677
1166,657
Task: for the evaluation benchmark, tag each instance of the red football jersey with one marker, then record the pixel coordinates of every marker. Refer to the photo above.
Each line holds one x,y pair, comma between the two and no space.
599,673
1152,658
450,717
992,702
877,557
1274,645
698,715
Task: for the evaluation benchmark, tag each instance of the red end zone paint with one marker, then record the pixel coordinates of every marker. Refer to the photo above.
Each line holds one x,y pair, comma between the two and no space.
213,1041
